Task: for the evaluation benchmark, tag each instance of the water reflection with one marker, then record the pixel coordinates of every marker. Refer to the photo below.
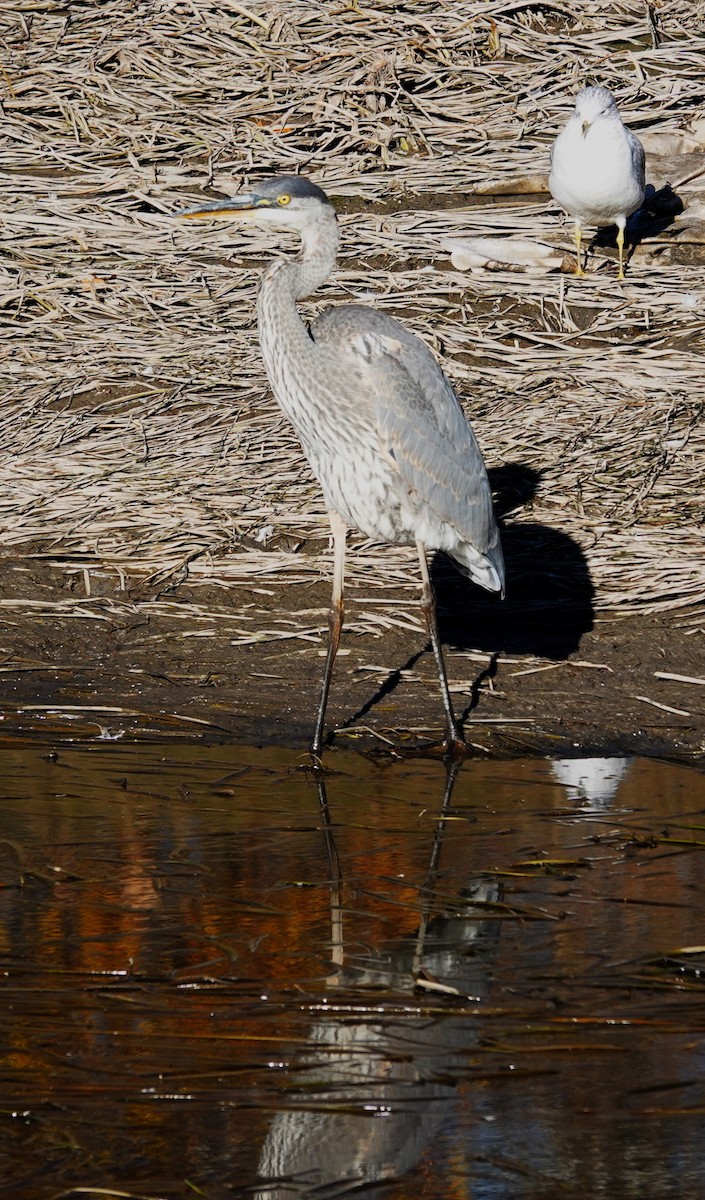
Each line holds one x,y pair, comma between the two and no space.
212,978
593,781
369,1094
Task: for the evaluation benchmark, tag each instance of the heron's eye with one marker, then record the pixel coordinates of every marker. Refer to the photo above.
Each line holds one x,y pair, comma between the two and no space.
283,199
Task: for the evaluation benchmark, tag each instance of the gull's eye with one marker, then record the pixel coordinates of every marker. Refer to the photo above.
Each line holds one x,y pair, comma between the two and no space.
283,199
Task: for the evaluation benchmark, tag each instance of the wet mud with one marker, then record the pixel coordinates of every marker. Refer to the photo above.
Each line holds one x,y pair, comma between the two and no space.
558,679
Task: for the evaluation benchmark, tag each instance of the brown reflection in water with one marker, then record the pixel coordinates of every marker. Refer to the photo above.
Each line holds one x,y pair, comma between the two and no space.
166,947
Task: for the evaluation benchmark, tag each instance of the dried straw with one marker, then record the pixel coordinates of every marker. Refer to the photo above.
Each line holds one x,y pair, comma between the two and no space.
137,431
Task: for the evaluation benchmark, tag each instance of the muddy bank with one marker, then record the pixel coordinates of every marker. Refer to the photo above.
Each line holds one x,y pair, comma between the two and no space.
543,681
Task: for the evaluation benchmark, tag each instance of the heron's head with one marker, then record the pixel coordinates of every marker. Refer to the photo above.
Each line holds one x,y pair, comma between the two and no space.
593,104
285,202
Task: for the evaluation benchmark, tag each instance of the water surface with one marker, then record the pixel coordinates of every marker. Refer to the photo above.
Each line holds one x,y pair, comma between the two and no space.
220,980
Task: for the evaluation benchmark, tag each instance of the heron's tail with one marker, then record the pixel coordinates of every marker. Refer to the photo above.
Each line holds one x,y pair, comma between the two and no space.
485,569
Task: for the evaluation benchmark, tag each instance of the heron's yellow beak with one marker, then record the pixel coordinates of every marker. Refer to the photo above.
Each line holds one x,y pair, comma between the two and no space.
586,126
233,206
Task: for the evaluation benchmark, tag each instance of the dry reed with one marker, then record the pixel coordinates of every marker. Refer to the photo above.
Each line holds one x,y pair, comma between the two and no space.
137,432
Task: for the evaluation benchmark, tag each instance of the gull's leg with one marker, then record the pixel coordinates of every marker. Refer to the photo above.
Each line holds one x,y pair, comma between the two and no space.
579,248
335,625
455,740
620,248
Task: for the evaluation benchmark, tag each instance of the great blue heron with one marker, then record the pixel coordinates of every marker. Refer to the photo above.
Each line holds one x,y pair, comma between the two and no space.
378,421
597,168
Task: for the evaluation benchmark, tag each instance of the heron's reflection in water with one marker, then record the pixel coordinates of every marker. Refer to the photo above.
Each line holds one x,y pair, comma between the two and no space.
379,1071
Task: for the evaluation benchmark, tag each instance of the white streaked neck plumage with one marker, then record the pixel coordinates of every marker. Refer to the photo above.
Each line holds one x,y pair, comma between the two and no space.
288,350
300,276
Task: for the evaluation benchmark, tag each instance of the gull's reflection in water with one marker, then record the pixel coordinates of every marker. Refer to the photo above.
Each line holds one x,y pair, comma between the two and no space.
592,781
379,1071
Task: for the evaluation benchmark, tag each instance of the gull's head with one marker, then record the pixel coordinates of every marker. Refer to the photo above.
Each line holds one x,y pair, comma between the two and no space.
284,202
594,104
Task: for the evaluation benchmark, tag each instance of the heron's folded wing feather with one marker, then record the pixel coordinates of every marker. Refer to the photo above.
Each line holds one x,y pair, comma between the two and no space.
423,428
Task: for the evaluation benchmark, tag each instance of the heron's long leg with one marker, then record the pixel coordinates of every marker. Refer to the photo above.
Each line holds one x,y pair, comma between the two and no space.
578,234
428,606
335,624
620,248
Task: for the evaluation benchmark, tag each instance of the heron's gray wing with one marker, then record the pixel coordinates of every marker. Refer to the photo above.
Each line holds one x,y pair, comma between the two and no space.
421,425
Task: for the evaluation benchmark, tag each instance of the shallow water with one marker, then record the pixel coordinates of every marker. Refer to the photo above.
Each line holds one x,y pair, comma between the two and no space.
219,981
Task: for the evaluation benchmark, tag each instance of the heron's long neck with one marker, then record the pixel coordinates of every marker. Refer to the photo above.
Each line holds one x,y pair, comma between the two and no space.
284,338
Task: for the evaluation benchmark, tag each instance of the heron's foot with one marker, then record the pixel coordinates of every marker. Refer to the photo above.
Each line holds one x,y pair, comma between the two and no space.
621,276
319,741
315,753
455,747
314,765
579,271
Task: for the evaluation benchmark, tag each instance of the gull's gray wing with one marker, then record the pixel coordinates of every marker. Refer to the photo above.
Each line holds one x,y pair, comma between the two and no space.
638,158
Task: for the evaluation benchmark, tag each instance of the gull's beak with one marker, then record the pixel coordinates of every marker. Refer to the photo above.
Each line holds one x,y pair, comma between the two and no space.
232,206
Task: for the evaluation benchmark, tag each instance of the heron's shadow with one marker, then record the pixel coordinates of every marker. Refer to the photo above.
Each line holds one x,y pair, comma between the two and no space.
549,593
